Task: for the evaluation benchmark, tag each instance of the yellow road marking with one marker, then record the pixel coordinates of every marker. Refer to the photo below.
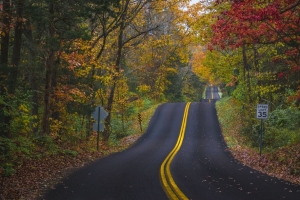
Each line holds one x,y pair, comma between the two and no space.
168,183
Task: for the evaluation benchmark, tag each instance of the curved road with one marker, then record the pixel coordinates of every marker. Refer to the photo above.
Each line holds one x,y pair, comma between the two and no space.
200,166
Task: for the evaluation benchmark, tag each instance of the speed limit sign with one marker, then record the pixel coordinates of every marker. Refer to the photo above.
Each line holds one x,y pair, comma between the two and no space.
262,111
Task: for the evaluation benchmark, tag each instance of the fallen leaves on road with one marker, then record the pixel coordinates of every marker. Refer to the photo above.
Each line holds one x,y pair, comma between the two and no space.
274,164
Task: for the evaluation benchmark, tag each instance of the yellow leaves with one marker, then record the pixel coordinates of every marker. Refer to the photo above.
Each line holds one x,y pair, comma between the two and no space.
269,89
105,80
213,66
144,89
170,70
22,123
266,76
55,126
198,67
23,108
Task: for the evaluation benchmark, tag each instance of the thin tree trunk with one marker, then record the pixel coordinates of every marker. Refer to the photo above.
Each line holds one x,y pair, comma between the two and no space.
5,120
257,70
16,56
54,112
5,32
106,133
49,71
246,67
32,75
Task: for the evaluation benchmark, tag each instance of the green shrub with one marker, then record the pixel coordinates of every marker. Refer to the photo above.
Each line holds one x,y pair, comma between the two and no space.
46,142
287,118
282,128
70,152
13,151
120,129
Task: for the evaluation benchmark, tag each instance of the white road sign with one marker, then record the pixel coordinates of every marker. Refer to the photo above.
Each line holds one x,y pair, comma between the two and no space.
99,114
95,127
262,111
99,111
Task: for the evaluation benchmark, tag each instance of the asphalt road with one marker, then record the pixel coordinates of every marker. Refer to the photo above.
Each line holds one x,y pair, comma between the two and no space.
189,138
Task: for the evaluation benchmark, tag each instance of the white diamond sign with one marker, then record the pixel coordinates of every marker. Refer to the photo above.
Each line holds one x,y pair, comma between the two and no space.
99,114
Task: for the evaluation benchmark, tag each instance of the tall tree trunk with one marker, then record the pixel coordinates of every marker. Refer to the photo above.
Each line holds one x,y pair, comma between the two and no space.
247,68
5,32
54,112
49,71
106,133
257,70
15,61
16,56
4,119
33,80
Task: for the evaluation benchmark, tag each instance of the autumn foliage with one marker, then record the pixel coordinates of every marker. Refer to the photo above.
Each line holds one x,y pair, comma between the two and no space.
61,59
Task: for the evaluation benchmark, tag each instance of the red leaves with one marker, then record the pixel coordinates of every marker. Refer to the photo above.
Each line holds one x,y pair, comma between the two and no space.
295,69
281,75
250,21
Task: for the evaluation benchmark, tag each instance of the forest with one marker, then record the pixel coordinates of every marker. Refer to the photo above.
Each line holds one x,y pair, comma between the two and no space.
61,59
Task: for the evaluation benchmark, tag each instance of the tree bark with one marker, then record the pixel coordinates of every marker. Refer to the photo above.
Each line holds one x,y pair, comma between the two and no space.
5,35
33,80
106,133
257,70
49,71
247,68
6,15
16,56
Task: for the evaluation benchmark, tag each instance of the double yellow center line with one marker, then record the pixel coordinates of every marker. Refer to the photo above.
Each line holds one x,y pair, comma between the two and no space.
168,183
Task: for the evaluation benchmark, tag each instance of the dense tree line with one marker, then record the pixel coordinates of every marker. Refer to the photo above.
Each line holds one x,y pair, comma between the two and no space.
60,59
252,49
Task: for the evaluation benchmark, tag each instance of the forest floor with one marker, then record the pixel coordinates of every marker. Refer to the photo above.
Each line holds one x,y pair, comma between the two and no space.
35,177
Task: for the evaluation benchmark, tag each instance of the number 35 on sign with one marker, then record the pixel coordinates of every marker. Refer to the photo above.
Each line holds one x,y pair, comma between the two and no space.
262,111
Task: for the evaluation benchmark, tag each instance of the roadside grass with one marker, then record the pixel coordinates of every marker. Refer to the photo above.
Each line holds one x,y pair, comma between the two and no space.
231,122
117,145
281,150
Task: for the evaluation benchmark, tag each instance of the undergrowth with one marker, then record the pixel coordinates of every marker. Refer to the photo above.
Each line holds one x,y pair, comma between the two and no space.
131,125
229,115
14,151
281,139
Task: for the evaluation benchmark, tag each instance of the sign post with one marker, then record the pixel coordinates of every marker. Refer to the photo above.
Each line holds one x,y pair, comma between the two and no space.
140,121
99,114
262,111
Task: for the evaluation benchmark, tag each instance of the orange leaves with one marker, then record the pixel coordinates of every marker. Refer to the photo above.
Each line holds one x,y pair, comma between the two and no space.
197,64
74,59
295,97
67,93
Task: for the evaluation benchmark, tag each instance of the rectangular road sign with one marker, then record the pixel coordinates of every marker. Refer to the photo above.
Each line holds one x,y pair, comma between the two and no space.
262,111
